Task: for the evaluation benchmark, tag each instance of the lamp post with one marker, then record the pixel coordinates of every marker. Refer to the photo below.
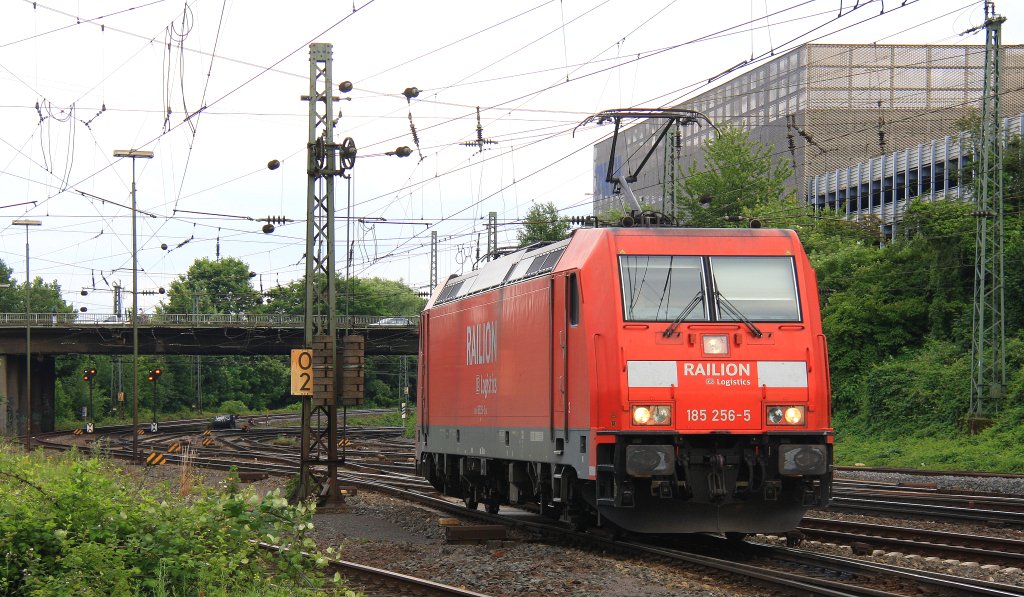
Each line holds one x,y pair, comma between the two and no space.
134,154
28,331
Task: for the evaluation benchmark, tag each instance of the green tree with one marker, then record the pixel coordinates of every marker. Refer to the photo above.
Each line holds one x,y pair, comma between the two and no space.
738,173
211,286
542,223
222,287
366,296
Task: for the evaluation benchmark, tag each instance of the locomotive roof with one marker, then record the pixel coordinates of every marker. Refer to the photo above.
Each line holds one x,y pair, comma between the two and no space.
528,262
537,260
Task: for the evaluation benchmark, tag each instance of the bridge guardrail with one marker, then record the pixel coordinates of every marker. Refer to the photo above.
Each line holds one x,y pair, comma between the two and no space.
260,320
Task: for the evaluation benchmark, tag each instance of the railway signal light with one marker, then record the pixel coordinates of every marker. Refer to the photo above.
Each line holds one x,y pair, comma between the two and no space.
153,374
88,374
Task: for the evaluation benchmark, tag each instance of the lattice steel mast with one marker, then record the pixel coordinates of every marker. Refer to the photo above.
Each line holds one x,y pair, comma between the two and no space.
988,347
325,160
433,260
492,235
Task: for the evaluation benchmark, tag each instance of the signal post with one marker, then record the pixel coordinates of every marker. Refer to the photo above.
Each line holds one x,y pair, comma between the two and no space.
87,375
318,379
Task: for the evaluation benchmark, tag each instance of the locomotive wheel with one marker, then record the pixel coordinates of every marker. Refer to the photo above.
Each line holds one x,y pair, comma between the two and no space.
492,506
470,501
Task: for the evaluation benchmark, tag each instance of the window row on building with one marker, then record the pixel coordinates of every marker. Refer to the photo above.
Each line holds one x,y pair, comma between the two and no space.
883,185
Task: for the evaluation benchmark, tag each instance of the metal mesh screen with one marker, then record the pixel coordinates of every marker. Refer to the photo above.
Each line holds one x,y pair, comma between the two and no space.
825,107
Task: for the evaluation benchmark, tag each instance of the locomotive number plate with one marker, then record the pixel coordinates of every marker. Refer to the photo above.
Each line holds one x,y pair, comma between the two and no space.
718,415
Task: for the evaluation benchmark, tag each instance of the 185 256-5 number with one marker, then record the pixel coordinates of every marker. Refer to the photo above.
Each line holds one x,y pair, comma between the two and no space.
717,415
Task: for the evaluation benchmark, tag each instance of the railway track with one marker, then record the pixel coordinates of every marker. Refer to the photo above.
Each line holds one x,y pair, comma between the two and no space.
792,570
378,463
928,502
865,538
377,581
926,473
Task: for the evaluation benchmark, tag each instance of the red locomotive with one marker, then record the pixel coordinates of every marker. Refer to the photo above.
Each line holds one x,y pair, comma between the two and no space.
665,380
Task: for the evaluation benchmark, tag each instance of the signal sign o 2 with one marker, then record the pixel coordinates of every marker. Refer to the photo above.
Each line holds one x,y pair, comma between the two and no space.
302,372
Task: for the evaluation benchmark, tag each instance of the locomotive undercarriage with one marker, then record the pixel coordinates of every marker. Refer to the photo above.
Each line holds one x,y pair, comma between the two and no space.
550,489
657,483
671,483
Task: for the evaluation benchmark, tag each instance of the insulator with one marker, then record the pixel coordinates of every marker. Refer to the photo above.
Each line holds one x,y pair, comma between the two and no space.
274,164
345,86
411,92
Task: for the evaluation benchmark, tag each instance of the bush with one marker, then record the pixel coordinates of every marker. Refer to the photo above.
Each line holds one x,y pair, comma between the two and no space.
70,525
233,407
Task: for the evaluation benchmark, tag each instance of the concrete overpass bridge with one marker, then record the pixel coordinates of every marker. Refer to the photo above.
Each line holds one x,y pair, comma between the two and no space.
169,334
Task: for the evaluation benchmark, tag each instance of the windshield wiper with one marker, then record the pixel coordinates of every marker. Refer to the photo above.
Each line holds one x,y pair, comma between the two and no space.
731,309
671,329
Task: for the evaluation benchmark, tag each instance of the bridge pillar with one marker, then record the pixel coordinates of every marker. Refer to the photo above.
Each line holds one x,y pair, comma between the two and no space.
13,403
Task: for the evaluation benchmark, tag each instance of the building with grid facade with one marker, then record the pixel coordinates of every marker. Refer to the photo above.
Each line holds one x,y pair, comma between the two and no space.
828,108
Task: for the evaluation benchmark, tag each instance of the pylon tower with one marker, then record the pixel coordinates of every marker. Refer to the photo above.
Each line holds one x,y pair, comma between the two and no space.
325,161
988,346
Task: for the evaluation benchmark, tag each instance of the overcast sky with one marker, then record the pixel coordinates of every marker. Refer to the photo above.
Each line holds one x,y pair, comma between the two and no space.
535,68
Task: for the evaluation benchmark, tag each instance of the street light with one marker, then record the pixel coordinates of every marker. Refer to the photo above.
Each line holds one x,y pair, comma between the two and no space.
28,331
134,154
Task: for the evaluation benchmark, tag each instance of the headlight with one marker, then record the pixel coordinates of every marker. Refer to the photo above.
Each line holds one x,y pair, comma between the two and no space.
795,415
641,415
660,414
716,344
785,415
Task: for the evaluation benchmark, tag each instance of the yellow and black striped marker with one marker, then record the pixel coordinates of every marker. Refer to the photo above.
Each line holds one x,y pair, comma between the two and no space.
207,433
77,432
209,442
175,447
344,442
140,431
155,458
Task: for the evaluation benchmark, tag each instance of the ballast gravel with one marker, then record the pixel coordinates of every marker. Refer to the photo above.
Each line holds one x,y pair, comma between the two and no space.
1007,485
384,532
388,533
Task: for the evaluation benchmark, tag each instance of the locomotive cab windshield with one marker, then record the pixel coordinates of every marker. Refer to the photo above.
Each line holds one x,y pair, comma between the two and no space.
672,288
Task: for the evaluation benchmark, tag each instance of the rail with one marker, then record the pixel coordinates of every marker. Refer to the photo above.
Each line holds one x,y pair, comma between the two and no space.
193,320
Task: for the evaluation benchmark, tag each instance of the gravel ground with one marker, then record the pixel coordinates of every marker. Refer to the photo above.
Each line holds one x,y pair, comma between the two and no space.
384,532
388,533
1008,485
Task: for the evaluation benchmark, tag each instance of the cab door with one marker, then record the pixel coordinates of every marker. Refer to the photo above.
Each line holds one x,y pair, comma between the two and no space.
565,310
